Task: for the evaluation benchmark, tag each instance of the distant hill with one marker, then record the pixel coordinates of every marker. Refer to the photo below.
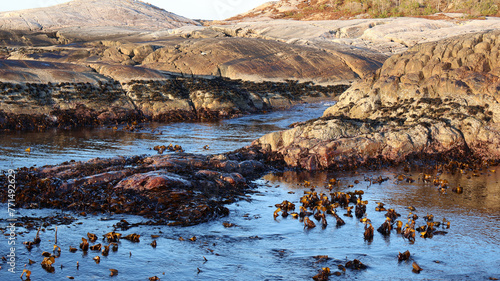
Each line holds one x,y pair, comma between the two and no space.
333,9
93,13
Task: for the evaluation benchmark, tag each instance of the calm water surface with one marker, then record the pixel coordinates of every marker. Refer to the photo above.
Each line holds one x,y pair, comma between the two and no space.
259,247
56,146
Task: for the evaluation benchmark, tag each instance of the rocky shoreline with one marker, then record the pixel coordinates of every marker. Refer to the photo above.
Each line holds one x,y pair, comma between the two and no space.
432,102
182,189
423,107
413,136
66,105
437,100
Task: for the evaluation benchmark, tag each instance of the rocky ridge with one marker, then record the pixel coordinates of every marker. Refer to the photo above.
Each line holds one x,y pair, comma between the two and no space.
38,104
254,60
88,14
308,10
340,50
212,53
387,36
437,100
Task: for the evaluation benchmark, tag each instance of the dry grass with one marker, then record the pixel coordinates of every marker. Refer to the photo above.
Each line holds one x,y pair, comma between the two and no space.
345,9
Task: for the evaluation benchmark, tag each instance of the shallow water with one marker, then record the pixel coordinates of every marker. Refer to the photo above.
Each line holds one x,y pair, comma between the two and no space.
56,146
261,248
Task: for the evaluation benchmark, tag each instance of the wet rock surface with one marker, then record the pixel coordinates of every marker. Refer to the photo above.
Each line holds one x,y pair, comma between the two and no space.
437,101
175,189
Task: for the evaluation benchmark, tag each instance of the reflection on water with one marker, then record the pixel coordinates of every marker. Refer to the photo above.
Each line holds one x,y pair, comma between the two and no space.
56,146
480,193
261,248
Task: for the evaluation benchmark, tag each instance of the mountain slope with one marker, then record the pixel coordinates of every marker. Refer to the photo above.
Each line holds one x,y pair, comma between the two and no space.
93,13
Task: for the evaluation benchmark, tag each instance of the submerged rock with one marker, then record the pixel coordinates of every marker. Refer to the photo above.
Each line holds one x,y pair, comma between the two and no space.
436,101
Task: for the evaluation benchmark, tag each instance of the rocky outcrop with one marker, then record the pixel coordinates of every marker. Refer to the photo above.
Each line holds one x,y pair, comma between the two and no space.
385,36
251,59
175,189
207,99
86,14
29,71
127,73
10,38
437,100
254,60
40,95
327,10
463,68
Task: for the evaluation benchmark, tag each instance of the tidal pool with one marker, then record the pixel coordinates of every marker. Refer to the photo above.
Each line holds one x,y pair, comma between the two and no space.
259,247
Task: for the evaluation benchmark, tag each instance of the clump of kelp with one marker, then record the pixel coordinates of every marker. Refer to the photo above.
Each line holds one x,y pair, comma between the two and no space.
174,189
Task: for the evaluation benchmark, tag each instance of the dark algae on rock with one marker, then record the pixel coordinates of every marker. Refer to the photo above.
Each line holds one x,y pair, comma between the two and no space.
437,101
39,106
174,189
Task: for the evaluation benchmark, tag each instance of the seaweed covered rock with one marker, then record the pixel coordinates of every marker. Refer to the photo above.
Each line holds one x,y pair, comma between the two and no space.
436,101
174,189
208,99
36,103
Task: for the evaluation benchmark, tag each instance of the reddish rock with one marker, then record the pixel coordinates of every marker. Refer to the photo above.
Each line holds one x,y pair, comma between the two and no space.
155,179
186,190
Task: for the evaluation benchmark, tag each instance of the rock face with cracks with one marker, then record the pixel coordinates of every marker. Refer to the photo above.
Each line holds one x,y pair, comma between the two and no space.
259,60
437,100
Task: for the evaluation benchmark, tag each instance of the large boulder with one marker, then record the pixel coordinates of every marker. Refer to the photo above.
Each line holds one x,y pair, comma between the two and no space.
259,60
463,69
438,99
